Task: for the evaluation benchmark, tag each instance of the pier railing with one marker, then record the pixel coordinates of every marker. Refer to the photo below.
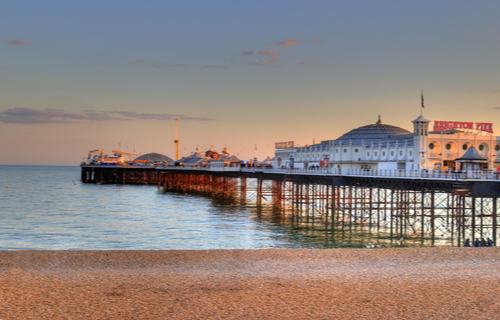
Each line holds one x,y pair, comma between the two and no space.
426,174
422,174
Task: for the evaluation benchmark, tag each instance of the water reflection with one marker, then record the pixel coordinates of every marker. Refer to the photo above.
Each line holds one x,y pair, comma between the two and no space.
48,208
314,233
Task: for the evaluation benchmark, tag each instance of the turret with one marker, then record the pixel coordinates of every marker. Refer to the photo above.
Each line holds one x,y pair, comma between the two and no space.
420,143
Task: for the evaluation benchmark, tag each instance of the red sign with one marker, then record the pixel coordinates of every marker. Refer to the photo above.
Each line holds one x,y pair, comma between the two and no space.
486,127
480,126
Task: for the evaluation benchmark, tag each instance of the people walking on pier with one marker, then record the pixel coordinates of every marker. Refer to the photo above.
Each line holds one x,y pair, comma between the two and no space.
467,243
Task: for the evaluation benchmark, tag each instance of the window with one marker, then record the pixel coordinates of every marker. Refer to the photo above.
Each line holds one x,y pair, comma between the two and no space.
392,153
409,152
376,153
383,154
431,145
368,154
345,150
355,150
401,153
481,147
497,147
448,146
464,147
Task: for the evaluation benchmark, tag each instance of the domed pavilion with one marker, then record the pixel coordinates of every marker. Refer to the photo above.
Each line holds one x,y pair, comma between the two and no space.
373,146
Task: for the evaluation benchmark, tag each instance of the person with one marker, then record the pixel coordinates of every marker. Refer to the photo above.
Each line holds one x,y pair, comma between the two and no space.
477,242
489,242
483,242
467,243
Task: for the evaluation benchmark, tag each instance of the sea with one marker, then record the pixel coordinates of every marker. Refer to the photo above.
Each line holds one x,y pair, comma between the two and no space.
49,208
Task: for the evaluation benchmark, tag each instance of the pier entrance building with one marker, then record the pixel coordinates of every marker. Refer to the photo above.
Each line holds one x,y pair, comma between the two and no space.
381,146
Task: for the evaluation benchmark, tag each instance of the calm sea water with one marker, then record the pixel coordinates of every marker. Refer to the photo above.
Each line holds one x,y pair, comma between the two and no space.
49,208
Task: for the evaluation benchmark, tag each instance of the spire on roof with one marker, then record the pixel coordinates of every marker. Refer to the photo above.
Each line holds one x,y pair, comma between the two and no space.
379,121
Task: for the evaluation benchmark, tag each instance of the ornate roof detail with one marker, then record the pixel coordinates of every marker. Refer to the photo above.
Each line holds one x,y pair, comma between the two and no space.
372,133
471,155
421,119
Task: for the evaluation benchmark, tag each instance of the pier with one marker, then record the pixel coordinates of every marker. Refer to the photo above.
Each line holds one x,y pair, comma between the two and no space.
426,205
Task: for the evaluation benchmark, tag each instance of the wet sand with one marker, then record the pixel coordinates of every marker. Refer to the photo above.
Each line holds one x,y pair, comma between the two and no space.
423,283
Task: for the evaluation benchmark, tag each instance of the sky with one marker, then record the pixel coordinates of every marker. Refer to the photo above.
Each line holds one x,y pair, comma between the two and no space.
77,76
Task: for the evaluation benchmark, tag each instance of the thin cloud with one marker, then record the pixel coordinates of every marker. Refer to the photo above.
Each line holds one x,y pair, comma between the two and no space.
35,116
30,116
304,63
17,42
217,67
319,41
248,53
465,33
269,53
176,65
490,30
139,61
154,116
272,62
285,43
158,64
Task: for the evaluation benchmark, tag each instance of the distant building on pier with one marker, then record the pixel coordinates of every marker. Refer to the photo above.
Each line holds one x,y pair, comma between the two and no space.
197,159
383,146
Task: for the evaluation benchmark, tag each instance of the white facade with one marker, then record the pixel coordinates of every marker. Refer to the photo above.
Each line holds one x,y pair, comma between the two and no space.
381,146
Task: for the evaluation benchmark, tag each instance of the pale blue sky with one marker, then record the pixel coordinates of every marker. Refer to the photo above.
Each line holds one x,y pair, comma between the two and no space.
77,76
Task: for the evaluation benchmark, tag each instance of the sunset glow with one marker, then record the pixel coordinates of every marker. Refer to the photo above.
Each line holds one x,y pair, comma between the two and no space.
243,75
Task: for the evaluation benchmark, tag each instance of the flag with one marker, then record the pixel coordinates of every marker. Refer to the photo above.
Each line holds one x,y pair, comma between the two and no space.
422,96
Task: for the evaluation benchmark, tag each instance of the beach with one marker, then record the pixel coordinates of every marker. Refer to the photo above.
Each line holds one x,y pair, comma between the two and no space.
397,283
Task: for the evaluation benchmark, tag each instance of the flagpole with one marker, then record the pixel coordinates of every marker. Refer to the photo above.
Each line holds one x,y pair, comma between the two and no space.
422,108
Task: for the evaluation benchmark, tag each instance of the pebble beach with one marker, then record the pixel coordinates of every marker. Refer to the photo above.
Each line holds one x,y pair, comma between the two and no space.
398,283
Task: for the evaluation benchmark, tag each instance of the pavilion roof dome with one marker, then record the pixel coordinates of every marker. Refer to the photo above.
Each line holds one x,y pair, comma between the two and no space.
155,157
371,133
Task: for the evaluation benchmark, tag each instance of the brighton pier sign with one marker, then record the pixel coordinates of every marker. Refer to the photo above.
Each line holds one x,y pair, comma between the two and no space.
284,145
479,126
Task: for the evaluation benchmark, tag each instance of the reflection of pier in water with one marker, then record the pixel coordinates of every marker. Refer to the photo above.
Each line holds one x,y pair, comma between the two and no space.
425,210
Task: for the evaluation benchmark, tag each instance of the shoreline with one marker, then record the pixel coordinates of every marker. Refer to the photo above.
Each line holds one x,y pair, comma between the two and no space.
417,283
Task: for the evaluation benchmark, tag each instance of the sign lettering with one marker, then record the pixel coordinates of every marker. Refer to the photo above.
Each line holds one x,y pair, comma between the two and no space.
446,125
284,145
486,127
